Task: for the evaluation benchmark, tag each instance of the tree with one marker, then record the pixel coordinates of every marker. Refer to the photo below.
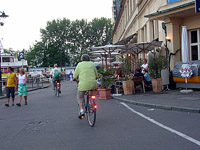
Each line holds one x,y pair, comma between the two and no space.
100,32
64,41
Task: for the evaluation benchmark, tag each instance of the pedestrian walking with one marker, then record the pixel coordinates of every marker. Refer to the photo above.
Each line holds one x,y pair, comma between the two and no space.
71,76
11,83
22,86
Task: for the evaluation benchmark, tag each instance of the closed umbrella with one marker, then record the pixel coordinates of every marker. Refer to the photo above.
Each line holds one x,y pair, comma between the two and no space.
185,49
186,71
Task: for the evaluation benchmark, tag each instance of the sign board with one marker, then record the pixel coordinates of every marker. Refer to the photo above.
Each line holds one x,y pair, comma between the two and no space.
197,6
172,1
21,55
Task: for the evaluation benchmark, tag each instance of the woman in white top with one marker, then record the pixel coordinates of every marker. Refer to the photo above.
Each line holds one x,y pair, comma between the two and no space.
22,86
144,66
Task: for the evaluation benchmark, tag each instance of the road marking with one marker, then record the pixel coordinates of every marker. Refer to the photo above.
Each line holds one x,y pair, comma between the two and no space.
163,126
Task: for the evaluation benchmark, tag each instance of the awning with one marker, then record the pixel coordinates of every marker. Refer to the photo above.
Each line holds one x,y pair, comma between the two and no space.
182,10
126,40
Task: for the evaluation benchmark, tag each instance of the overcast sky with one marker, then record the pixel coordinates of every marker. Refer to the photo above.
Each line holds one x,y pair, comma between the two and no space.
22,28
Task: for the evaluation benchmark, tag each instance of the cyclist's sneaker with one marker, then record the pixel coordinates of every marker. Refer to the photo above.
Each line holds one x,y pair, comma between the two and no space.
59,91
81,115
7,105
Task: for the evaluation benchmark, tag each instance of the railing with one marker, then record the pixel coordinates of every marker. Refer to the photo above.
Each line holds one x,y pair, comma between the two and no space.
32,83
37,82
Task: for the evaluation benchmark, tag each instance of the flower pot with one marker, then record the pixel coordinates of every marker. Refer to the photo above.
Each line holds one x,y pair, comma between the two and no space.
104,93
128,87
157,85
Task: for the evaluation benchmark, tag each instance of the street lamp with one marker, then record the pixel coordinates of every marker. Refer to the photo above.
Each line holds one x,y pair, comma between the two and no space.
2,15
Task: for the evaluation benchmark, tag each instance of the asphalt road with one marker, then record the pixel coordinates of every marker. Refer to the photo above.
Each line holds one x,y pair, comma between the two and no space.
51,123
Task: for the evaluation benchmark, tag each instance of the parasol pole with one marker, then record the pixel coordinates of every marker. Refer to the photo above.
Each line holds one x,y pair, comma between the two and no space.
106,61
110,60
102,61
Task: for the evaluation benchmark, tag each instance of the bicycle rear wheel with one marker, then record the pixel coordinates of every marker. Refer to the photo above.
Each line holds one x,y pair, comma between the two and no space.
56,90
91,112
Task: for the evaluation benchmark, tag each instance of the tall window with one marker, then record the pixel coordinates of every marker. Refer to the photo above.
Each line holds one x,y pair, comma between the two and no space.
195,44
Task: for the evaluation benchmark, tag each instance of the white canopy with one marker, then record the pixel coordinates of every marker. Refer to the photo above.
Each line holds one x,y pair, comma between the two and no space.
145,47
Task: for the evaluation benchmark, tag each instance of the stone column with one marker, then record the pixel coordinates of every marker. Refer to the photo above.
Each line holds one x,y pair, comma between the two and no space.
174,34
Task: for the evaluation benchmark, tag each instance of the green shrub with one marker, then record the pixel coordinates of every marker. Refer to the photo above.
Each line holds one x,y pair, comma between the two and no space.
156,64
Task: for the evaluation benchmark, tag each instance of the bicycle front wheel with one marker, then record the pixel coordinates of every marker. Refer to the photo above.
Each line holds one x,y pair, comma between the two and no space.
91,112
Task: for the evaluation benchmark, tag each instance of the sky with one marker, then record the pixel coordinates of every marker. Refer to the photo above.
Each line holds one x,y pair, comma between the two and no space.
26,17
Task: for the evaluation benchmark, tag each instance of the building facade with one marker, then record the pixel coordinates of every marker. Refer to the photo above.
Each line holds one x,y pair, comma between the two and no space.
163,19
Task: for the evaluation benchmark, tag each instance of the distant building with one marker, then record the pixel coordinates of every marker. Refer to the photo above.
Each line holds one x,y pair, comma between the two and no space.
142,21
11,60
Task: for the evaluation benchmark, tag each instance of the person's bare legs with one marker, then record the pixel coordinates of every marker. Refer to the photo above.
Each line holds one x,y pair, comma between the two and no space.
20,99
25,98
13,101
8,100
81,106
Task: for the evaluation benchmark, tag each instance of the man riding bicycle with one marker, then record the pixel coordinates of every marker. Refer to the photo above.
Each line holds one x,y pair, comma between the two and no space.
87,74
55,74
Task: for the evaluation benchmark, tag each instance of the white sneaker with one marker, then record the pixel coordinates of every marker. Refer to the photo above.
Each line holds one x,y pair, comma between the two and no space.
82,112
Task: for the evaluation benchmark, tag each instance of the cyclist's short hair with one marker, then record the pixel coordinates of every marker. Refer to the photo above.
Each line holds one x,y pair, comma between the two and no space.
85,57
55,65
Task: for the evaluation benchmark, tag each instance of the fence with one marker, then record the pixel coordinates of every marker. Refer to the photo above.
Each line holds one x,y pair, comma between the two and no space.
32,83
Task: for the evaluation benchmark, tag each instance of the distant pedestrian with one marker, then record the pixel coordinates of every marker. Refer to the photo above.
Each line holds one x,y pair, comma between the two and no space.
22,86
11,83
71,76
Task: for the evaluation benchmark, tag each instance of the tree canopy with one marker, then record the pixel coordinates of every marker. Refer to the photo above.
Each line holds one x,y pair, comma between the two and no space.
64,41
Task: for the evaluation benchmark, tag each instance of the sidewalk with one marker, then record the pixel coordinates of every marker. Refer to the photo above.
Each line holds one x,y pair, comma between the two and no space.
168,100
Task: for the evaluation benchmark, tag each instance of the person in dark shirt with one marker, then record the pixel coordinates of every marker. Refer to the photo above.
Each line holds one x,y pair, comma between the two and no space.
138,73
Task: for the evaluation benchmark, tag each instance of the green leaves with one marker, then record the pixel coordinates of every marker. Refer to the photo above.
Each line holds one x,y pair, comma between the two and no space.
65,41
106,77
156,64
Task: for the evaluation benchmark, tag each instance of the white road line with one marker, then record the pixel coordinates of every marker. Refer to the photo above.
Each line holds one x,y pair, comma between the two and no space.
163,126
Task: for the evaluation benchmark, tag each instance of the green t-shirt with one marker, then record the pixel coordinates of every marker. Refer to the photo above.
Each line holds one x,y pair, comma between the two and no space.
87,74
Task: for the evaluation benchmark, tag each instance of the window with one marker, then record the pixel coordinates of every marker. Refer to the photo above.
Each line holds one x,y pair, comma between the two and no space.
6,59
195,44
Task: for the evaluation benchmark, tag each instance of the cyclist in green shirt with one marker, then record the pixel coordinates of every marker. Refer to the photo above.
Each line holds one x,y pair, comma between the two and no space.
86,73
55,74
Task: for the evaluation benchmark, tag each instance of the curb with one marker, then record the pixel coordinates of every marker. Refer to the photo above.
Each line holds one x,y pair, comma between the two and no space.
29,90
164,107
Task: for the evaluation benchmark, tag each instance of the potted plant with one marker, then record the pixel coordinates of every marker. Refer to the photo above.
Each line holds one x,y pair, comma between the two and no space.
156,64
106,80
126,68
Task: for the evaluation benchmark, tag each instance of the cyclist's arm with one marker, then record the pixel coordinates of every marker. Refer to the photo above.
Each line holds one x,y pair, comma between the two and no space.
76,73
96,73
51,73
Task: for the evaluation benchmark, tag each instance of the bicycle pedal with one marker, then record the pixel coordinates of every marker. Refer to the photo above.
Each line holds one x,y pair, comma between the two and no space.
81,116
